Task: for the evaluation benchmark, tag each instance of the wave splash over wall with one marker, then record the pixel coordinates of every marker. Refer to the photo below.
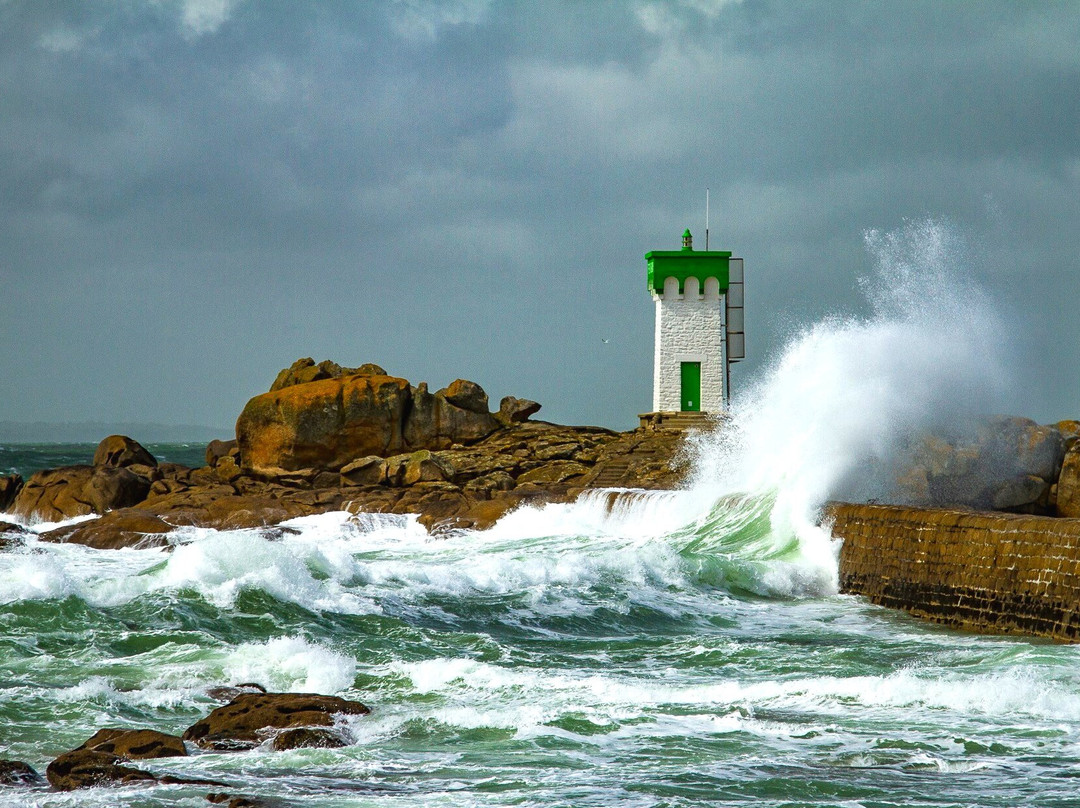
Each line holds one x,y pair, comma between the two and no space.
835,412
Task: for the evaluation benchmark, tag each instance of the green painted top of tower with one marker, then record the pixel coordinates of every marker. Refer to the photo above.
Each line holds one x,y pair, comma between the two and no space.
687,263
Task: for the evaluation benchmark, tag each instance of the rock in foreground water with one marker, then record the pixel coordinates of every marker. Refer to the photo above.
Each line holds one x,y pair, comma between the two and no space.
252,718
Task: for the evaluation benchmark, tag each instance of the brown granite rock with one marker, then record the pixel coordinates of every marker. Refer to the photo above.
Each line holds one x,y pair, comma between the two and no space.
233,801
62,493
17,773
9,489
230,692
135,744
558,471
217,449
322,424
466,395
305,370
516,410
456,414
251,718
84,768
120,450
127,527
307,738
1068,486
370,470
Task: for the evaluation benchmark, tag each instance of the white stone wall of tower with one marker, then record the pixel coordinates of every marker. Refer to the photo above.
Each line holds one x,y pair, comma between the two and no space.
689,328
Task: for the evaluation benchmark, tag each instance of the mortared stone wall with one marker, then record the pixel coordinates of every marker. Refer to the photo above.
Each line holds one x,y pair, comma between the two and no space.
986,572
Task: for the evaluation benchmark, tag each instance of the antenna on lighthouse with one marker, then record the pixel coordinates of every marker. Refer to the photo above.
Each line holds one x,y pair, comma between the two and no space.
706,218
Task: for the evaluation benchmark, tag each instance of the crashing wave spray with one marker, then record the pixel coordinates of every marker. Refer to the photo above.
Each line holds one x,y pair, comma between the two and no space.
827,419
830,416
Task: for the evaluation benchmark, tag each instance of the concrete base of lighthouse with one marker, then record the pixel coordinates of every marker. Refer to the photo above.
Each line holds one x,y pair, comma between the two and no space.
674,421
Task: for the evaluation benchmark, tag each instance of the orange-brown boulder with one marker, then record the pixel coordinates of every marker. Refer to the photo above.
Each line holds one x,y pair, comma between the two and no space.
62,493
322,424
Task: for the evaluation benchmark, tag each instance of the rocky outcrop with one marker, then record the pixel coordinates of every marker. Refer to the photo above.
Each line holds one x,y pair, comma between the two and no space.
217,450
287,720
305,370
337,417
84,768
516,410
1005,463
252,718
457,414
322,424
120,450
69,491
127,527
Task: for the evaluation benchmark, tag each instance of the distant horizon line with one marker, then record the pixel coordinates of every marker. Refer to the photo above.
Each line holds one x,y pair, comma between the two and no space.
95,431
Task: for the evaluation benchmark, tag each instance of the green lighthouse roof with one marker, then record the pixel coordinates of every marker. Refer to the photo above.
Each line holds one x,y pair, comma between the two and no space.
687,263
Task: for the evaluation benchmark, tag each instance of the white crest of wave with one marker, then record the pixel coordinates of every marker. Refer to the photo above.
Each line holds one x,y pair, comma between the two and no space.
291,664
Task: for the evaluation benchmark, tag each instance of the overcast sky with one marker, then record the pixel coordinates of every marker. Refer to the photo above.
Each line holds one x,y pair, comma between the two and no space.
194,193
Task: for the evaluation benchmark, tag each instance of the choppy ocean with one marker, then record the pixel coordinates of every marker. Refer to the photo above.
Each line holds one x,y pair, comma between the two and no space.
671,649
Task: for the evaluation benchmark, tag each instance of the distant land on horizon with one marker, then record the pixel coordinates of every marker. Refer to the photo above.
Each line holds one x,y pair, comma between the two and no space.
94,431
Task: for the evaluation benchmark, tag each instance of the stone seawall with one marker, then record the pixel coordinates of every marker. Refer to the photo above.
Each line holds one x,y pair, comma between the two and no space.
986,572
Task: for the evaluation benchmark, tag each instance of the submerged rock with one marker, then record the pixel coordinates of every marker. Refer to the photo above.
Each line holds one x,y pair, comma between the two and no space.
251,718
230,692
17,773
307,738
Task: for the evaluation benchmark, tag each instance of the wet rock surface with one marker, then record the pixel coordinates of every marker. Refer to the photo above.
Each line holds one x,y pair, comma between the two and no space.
135,744
251,718
85,768
17,773
307,738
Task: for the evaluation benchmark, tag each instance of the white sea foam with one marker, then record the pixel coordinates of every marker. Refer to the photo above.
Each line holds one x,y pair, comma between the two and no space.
291,664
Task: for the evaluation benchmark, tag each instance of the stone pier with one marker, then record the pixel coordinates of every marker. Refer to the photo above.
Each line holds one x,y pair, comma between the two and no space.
986,572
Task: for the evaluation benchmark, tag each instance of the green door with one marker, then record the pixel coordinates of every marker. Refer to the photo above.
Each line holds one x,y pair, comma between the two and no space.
691,386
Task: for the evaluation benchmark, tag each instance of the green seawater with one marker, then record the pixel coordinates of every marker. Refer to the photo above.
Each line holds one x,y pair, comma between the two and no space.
647,654
26,458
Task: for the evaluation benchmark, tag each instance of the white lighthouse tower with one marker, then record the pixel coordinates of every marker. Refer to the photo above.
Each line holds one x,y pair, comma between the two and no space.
699,331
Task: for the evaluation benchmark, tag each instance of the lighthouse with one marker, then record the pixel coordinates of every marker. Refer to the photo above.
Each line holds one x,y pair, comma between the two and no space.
699,330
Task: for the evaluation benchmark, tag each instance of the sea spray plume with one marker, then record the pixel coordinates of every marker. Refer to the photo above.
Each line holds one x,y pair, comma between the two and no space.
833,413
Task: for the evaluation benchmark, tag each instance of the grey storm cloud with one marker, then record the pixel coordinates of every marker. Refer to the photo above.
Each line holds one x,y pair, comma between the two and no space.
194,193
